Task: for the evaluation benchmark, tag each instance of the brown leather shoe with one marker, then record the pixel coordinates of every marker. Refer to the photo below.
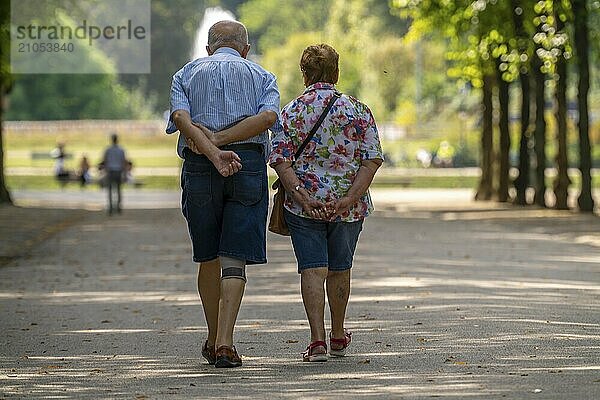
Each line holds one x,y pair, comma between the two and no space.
209,353
227,357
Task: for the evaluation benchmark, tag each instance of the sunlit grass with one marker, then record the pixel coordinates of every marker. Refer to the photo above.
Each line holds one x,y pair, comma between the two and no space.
172,182
49,183
156,150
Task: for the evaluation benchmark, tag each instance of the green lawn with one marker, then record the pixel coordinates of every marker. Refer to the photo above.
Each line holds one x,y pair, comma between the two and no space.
49,183
158,150
383,181
144,150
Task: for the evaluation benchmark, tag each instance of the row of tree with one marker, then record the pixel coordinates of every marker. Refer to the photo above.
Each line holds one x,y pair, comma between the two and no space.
491,45
108,95
494,43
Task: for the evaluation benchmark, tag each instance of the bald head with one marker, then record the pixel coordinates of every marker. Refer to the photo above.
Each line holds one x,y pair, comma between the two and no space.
228,34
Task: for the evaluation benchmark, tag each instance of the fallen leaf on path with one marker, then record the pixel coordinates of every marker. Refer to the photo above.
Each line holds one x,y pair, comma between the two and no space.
366,361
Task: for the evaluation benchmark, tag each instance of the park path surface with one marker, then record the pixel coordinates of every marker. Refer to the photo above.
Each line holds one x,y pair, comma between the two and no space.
450,299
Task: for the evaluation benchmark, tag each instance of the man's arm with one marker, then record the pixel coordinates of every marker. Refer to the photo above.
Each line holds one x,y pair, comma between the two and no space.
245,129
361,184
226,162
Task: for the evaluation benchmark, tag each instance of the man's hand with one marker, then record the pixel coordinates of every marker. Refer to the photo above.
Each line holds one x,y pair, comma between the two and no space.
226,162
212,136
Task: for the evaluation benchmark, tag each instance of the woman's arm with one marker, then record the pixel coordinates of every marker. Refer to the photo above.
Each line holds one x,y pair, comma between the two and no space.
294,187
361,184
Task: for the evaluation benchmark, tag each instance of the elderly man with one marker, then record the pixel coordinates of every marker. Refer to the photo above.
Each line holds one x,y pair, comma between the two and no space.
224,178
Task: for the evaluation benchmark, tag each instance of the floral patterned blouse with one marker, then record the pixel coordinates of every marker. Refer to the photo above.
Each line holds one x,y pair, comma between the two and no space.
329,163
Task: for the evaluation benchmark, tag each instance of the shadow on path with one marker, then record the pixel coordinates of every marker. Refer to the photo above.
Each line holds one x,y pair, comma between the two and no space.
451,303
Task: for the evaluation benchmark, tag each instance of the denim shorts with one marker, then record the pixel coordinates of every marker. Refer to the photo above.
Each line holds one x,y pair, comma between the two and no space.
323,244
226,216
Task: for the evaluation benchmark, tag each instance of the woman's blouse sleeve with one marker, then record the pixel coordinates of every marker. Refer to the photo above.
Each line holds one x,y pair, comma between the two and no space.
370,147
284,143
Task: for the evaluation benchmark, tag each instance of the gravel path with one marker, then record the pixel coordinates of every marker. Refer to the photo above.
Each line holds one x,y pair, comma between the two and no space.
447,301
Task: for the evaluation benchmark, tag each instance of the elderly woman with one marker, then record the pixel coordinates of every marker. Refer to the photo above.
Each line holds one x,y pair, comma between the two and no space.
327,195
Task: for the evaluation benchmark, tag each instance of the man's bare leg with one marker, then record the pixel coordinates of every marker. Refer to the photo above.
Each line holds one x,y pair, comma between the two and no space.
313,296
338,292
209,277
233,283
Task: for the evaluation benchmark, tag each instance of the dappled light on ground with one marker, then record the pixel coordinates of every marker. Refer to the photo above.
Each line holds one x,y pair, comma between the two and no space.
453,308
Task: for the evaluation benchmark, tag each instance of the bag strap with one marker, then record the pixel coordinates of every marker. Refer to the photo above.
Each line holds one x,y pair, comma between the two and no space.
336,95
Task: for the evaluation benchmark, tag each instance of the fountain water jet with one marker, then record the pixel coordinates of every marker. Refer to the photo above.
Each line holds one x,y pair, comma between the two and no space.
212,15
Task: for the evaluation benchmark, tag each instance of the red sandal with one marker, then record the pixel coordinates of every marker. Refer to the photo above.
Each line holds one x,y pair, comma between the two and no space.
311,356
340,352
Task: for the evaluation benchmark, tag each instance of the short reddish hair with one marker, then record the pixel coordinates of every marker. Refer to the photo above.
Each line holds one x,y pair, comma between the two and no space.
319,63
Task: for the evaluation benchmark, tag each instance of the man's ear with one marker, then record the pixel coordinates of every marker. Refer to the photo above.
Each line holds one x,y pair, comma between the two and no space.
209,51
246,50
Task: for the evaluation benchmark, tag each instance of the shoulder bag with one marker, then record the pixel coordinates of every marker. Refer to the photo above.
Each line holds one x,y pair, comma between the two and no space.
277,222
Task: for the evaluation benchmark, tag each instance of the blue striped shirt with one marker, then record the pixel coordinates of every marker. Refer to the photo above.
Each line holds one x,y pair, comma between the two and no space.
222,89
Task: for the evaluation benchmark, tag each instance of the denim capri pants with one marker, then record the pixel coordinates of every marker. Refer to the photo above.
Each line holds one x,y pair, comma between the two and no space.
320,243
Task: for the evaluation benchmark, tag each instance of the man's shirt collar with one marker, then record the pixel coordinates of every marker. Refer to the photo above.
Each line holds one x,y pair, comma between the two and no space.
227,50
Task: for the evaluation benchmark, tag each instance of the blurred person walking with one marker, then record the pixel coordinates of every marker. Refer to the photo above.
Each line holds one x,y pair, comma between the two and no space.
114,163
326,189
84,171
224,178
60,171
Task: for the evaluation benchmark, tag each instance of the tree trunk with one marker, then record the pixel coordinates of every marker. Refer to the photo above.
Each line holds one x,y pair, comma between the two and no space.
4,194
5,86
562,181
585,200
522,181
484,191
539,134
503,127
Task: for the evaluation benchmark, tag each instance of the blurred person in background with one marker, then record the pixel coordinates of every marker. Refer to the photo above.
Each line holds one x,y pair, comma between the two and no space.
84,171
60,171
114,164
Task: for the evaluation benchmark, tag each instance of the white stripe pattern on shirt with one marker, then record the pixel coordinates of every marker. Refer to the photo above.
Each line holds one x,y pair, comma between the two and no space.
222,89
